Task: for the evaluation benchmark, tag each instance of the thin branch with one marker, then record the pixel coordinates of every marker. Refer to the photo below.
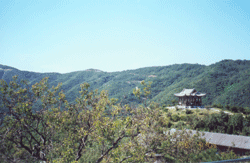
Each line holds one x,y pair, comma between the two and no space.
115,144
81,146
125,158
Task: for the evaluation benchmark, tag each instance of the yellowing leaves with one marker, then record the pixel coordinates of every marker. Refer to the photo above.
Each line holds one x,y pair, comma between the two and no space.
94,128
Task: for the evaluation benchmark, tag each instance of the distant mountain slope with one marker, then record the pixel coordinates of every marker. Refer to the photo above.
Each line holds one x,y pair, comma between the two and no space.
225,82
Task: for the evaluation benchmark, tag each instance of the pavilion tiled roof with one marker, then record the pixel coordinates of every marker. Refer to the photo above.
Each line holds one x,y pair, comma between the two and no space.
189,92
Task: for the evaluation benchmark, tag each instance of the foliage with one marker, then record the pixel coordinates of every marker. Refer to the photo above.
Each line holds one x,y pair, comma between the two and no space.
24,131
61,132
175,118
218,122
189,111
212,155
39,124
237,109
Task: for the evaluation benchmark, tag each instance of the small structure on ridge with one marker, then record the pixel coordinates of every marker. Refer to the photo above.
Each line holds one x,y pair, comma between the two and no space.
190,98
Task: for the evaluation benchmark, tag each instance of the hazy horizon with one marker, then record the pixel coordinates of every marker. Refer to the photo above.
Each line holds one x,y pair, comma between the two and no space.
122,70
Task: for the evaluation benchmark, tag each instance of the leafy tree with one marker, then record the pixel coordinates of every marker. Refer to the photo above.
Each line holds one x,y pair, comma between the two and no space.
39,124
235,124
24,131
63,132
246,126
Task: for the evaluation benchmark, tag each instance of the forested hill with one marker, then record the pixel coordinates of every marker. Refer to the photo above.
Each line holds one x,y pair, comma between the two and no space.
225,82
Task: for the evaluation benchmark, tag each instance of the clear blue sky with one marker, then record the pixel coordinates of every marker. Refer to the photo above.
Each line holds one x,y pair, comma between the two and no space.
66,36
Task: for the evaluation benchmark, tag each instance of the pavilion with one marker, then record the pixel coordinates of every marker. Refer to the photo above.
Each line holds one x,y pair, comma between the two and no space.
190,98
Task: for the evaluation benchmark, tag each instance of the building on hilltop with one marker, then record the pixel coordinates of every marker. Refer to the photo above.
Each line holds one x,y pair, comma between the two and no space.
190,98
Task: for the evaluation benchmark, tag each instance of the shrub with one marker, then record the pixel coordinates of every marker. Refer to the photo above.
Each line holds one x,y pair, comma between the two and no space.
217,105
165,109
183,117
246,110
175,118
179,125
188,111
234,109
170,124
201,113
227,107
188,118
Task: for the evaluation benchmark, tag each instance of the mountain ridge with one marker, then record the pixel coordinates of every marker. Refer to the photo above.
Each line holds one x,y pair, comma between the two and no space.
226,82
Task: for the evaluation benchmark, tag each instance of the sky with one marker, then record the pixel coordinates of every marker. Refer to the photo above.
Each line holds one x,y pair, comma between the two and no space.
65,36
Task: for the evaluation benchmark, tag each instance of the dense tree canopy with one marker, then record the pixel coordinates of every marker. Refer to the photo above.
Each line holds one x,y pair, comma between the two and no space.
38,123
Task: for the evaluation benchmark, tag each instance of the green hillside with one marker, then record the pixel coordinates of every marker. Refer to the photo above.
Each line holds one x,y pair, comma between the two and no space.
225,82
